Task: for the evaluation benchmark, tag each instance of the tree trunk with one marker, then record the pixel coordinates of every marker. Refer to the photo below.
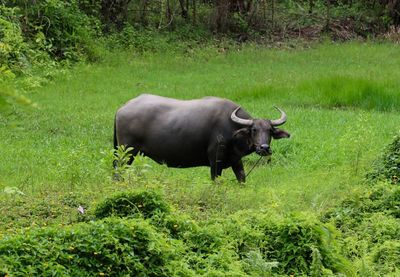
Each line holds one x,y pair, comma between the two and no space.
194,12
222,14
328,15
142,11
168,12
184,12
273,13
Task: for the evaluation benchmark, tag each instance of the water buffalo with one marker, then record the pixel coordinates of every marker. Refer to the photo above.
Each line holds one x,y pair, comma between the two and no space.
211,131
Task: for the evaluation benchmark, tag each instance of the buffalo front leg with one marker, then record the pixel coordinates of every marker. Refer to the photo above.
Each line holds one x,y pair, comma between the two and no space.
239,171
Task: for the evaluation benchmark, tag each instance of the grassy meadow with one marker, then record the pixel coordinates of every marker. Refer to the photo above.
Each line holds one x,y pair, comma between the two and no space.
342,102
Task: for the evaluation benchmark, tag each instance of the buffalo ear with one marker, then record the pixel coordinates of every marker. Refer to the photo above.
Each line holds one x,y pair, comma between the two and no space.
241,132
279,133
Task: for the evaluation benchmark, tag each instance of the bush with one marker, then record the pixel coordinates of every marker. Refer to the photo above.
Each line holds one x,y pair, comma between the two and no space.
166,244
256,244
13,48
359,206
174,225
146,203
109,247
60,28
387,257
387,167
368,220
300,244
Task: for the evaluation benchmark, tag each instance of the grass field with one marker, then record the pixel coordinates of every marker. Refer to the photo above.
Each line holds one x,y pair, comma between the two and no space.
342,102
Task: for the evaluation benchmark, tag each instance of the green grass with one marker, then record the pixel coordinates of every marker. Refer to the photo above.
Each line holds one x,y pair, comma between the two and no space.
341,100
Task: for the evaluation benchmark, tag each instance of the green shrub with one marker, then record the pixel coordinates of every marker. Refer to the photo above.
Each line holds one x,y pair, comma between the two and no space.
378,228
109,247
369,220
175,225
246,244
13,48
387,257
387,167
60,28
297,244
146,203
300,244
383,199
133,38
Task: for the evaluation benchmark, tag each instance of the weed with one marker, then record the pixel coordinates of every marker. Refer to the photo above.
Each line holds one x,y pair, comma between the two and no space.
121,157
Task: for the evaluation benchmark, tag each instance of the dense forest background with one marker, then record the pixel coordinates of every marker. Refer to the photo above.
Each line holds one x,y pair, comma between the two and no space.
34,31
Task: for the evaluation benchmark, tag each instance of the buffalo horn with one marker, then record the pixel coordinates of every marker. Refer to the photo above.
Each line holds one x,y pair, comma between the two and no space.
239,120
280,121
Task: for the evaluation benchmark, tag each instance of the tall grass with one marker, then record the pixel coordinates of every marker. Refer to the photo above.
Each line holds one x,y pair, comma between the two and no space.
343,91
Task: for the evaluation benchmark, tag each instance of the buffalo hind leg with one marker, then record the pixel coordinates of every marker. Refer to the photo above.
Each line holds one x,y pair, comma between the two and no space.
239,171
216,170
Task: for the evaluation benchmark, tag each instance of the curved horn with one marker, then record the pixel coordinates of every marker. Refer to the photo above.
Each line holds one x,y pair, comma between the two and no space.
281,120
239,120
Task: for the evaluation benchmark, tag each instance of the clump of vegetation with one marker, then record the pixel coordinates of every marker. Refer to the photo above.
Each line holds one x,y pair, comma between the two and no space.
368,221
300,244
146,203
164,244
387,167
109,247
383,199
387,257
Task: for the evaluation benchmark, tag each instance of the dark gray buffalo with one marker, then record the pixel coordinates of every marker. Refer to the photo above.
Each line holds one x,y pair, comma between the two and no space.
211,131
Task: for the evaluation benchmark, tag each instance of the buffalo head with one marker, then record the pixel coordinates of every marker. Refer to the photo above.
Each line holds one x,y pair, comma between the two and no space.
257,133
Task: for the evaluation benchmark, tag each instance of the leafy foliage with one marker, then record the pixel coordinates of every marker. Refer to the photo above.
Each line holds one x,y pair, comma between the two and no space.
167,244
111,246
382,198
387,167
13,48
387,257
370,224
59,28
300,244
120,159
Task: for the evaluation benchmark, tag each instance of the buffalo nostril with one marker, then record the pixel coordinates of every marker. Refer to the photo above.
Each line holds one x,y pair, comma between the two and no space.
265,147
